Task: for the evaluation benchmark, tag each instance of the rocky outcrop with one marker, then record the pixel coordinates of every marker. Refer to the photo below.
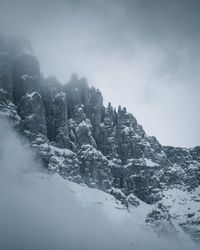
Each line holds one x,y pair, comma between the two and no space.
76,136
8,109
94,168
81,129
160,221
26,76
96,112
6,77
56,113
77,93
185,167
73,117
31,111
108,133
49,88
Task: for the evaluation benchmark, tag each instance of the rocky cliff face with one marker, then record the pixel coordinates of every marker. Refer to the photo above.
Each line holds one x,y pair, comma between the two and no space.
76,136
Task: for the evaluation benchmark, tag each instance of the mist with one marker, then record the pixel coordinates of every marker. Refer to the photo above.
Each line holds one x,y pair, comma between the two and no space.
43,211
141,54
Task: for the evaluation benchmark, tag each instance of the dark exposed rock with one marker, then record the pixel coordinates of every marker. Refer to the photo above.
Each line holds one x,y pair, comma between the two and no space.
80,130
77,137
185,168
94,168
31,111
108,133
8,109
49,88
133,201
160,221
74,117
60,120
83,128
55,104
119,195
96,111
77,92
6,77
26,76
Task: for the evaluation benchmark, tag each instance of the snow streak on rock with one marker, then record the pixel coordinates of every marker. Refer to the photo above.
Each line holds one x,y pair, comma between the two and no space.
75,136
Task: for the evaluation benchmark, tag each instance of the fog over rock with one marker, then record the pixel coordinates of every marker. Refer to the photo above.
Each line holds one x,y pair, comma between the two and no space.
74,135
44,211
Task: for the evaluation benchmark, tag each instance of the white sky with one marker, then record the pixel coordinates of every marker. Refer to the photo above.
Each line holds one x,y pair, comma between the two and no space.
141,54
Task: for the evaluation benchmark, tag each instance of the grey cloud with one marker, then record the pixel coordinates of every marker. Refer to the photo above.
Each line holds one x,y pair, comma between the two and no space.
129,49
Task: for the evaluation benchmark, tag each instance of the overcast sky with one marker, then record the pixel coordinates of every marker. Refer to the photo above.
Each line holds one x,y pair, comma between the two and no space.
142,54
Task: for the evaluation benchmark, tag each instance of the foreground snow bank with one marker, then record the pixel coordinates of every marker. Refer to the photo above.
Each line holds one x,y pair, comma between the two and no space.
41,211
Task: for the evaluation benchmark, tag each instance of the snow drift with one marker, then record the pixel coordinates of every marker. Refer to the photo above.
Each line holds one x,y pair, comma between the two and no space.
42,211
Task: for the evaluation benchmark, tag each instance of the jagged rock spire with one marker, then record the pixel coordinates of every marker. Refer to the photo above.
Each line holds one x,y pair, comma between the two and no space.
6,76
26,76
110,149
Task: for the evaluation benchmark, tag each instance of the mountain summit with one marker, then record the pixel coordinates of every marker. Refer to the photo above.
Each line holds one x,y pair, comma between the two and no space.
82,140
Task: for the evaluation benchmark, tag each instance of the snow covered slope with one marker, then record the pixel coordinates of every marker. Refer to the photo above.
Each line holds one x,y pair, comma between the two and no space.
43,211
72,134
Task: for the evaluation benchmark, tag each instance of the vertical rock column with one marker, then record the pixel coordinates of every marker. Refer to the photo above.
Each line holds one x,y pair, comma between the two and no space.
6,78
108,133
60,118
26,81
31,111
55,104
26,76
96,112
76,94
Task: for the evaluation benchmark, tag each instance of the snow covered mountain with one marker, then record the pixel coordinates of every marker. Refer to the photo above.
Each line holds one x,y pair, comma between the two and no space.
44,211
75,136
